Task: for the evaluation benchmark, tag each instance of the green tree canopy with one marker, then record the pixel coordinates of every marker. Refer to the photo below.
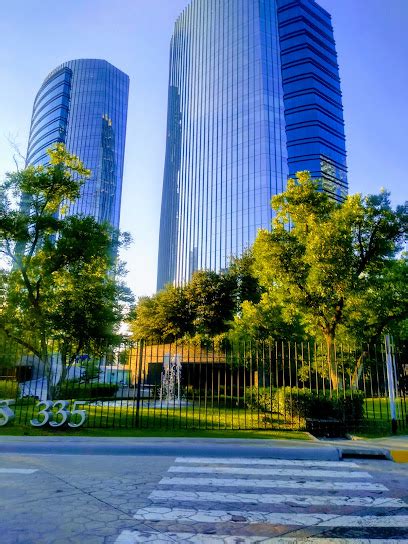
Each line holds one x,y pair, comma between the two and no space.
202,308
165,316
244,279
60,283
321,256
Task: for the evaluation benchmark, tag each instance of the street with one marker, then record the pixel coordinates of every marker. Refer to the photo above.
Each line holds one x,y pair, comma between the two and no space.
230,498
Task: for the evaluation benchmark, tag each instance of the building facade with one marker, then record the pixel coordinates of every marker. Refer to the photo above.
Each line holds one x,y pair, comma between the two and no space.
83,104
311,95
254,97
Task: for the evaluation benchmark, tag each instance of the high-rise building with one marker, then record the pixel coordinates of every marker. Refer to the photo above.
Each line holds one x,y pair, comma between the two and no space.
254,96
83,104
311,95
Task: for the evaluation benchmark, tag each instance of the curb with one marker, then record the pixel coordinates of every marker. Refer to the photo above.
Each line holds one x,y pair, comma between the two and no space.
365,453
173,448
399,456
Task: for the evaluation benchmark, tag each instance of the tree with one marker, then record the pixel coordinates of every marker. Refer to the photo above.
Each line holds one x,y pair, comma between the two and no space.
265,320
60,285
321,255
164,317
202,308
211,299
383,305
246,283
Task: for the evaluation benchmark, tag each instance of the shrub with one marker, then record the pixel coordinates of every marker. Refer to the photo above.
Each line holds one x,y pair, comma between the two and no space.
260,399
295,403
8,389
74,390
346,406
350,405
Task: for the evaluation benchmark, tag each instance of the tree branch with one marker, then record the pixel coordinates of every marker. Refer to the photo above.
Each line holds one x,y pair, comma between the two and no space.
20,341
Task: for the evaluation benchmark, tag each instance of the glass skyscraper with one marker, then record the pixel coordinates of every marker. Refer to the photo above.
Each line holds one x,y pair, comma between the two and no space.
254,97
83,104
312,95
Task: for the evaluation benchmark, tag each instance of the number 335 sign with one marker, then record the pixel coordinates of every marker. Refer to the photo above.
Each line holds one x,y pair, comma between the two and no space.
55,414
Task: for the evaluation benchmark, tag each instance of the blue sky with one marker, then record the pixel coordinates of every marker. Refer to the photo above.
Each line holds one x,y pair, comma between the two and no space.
134,35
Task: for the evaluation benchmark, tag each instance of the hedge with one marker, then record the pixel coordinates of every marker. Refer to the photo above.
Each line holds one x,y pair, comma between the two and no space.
73,390
8,389
293,402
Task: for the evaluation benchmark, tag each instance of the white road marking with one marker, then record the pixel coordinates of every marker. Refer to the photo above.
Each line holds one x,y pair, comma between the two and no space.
135,537
268,462
159,513
18,470
309,473
290,484
265,498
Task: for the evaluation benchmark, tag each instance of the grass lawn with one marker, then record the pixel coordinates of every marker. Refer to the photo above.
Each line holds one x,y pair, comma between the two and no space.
377,421
205,420
201,420
27,430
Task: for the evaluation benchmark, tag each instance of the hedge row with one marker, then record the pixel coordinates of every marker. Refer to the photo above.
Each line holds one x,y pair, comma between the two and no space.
294,402
8,389
73,390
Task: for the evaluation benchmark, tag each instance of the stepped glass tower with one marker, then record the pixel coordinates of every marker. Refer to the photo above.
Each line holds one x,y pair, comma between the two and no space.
254,96
83,104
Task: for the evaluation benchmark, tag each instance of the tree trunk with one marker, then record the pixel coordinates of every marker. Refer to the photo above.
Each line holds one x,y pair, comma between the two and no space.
331,362
64,371
47,367
358,371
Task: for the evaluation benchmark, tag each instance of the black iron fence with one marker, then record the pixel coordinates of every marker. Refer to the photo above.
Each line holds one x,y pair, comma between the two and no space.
261,385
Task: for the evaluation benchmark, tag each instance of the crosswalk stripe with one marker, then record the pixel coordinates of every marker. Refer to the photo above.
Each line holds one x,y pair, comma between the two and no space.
268,462
310,473
158,513
290,484
135,537
265,498
18,470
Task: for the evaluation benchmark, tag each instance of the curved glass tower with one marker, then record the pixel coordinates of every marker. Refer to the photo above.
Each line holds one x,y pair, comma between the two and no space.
226,151
238,70
83,104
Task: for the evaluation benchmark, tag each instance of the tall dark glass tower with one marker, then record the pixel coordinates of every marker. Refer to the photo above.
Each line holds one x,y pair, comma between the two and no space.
312,95
254,96
83,104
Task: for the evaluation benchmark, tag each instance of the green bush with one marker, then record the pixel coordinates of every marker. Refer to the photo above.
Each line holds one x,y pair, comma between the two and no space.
346,406
262,399
8,389
296,403
74,390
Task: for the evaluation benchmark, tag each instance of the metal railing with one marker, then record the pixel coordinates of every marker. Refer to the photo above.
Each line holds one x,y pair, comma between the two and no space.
265,385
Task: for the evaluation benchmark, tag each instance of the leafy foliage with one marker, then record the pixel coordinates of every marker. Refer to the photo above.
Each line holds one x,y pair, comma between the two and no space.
299,403
329,262
71,389
60,282
165,316
202,309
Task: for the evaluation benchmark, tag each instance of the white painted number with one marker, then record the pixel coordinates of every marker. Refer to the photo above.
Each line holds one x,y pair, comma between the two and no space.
61,416
81,413
57,418
46,414
6,413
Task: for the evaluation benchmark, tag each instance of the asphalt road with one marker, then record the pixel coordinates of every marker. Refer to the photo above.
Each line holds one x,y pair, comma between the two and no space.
217,493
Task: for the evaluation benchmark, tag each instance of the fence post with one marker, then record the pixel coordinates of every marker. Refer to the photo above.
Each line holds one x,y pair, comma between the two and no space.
390,360
139,383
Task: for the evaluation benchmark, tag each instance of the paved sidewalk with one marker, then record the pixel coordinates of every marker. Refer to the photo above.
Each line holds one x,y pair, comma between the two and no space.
389,447
290,449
